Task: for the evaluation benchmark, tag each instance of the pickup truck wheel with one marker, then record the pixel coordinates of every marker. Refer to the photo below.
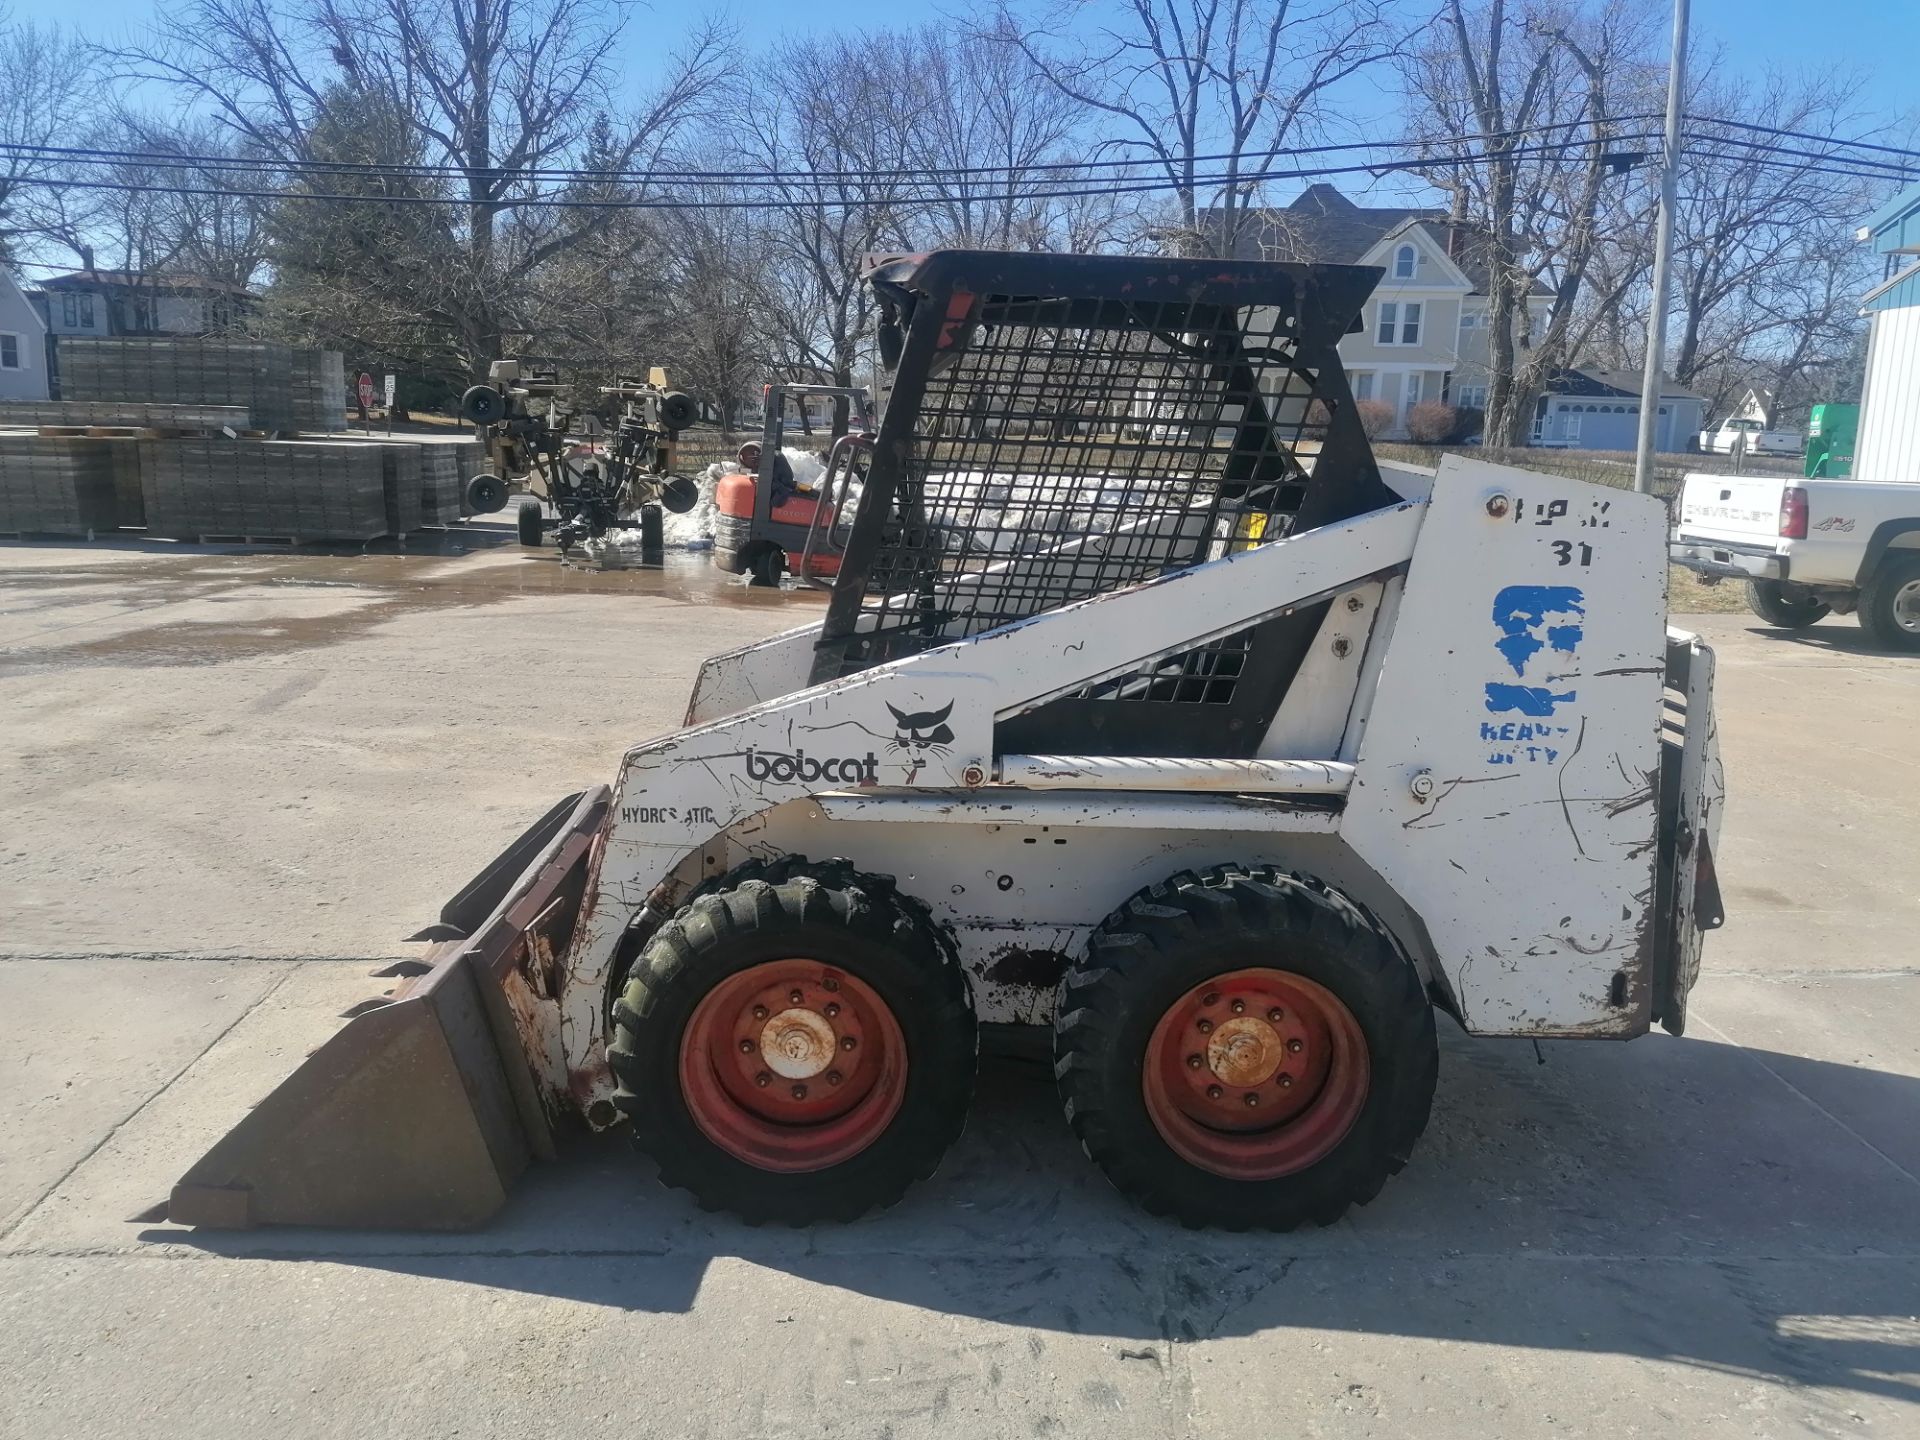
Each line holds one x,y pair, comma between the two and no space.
1789,611
1245,1048
1890,605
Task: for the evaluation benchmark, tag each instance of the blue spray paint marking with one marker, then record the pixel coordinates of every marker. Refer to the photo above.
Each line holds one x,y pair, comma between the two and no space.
1523,699
1521,612
1532,620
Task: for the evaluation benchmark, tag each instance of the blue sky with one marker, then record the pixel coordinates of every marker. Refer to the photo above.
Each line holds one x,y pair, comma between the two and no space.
1874,42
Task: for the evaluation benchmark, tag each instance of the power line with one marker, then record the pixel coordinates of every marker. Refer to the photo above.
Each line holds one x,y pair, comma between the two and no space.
1087,189
244,164
1778,133
1824,162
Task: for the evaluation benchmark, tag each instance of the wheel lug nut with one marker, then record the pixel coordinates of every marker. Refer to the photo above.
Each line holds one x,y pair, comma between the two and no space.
834,1077
1293,1047
1276,1014
799,1092
1212,997
796,997
1194,1062
1213,1092
1239,1007
833,1009
1286,1082
746,1047
1251,1098
847,1042
1205,1027
763,1079
759,1012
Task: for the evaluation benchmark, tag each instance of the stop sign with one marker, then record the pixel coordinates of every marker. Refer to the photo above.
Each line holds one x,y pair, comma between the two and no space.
365,388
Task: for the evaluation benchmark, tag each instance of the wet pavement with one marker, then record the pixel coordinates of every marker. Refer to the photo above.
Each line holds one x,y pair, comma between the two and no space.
295,599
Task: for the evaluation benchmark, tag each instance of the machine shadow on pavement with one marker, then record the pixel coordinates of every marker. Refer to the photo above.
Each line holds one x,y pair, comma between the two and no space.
1733,1209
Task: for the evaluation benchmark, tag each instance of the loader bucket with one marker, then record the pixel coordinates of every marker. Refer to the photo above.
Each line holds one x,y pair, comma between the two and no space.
422,1111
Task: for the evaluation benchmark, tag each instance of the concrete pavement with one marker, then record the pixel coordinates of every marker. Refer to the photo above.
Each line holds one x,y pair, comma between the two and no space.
234,779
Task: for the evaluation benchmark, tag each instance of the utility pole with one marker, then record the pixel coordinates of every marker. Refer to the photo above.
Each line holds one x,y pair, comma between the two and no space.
1651,380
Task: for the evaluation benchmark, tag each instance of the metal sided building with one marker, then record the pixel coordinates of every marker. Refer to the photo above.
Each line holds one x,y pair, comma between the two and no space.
1888,447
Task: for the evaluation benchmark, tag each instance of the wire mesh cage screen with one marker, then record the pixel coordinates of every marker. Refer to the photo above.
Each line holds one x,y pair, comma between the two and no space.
1063,426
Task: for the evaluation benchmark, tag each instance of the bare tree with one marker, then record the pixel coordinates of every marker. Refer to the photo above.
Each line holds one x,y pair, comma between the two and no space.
488,88
1767,273
1530,96
834,155
998,143
719,324
45,86
1182,80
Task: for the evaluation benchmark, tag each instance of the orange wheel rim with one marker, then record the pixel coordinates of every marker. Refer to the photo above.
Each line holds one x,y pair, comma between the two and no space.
1255,1074
793,1065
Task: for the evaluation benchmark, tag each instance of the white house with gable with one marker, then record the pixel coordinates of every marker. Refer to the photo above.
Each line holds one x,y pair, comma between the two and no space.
1425,326
23,345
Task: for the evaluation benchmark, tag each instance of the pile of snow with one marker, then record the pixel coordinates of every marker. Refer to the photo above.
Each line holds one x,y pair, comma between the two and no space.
694,529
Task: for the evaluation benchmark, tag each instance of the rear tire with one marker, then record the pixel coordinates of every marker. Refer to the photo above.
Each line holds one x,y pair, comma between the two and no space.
1772,603
833,1134
1890,605
532,520
1334,1039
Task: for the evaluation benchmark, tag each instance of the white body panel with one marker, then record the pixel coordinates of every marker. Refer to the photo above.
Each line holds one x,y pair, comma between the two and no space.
1479,772
1730,524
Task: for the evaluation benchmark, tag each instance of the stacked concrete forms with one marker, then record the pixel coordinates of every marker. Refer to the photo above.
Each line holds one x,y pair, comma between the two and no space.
139,414
263,489
281,388
56,486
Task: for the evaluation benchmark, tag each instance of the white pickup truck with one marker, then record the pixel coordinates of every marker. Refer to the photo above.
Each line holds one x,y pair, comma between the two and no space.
1726,439
1809,548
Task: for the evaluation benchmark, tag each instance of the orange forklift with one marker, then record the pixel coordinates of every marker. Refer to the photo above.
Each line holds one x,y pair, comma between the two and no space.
765,524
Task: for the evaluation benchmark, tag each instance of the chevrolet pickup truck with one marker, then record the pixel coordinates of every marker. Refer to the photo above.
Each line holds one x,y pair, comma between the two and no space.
1809,548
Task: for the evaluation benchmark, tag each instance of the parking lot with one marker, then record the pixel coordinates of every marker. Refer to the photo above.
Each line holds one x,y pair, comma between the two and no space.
234,780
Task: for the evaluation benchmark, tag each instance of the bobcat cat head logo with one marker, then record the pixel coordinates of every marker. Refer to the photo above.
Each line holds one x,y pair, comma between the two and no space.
926,731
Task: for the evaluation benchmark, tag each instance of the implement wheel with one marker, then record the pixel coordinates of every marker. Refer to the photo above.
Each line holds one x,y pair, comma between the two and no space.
797,1045
1245,1049
531,519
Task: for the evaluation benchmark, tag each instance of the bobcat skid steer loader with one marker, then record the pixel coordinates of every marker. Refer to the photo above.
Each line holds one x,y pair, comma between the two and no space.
1147,707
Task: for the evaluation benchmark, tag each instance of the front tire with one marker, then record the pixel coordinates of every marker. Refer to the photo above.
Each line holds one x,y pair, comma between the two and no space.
1204,991
531,518
797,1045
1795,610
1890,605
769,563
